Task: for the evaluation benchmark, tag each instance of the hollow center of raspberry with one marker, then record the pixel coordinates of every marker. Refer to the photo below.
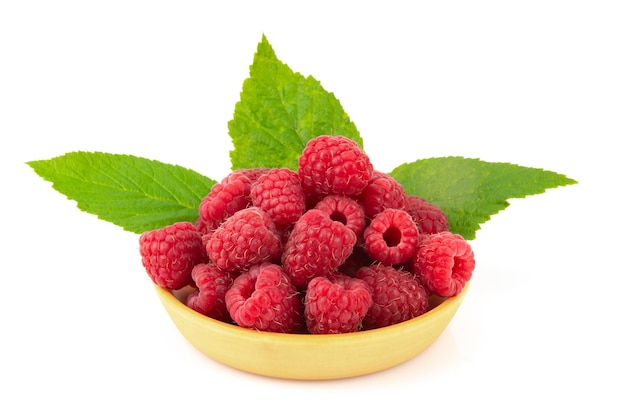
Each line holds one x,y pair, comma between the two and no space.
339,217
392,236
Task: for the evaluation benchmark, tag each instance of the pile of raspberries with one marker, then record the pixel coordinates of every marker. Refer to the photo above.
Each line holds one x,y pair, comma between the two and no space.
332,247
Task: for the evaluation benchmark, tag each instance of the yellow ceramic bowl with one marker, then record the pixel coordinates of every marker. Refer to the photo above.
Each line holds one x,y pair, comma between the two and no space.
310,357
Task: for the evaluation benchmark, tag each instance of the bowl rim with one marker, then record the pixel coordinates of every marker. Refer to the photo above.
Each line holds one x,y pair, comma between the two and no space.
438,307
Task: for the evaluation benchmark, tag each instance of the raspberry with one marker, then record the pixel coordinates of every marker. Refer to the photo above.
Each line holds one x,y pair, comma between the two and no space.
336,305
344,210
444,263
383,191
334,165
391,237
263,298
279,193
397,296
247,237
226,198
212,284
316,246
169,254
428,217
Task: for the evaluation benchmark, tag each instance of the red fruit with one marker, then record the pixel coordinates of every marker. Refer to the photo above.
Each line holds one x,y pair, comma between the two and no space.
226,198
279,193
316,246
391,238
397,296
334,165
444,263
382,192
246,238
428,217
336,304
169,254
345,210
263,298
209,297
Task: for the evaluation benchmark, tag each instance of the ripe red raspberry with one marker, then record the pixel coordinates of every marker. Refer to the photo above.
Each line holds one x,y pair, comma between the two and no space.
397,296
345,210
334,165
226,198
279,193
316,246
444,263
247,237
382,192
336,304
209,297
169,254
263,298
391,237
428,217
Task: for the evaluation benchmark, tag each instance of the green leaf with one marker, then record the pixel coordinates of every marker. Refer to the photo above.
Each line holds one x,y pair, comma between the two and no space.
469,190
279,112
135,193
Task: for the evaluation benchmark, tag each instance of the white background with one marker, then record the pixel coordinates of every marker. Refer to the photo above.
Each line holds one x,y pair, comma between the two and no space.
537,83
